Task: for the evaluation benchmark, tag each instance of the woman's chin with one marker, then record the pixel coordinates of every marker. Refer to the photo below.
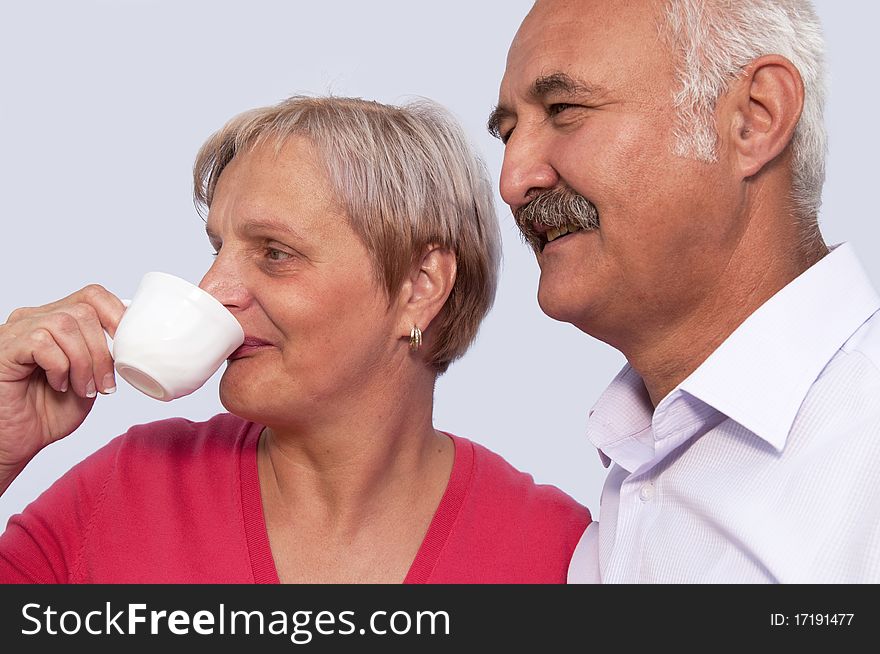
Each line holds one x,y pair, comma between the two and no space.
236,397
247,399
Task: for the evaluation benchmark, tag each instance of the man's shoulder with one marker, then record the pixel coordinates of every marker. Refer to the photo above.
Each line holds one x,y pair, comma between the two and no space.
865,342
845,399
852,377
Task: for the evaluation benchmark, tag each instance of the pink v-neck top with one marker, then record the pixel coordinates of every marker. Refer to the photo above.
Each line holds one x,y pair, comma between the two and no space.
179,502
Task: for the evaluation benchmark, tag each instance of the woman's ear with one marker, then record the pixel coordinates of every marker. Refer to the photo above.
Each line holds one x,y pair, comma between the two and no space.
427,288
765,106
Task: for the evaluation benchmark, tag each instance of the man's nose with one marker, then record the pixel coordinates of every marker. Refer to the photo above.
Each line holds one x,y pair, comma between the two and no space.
526,169
224,282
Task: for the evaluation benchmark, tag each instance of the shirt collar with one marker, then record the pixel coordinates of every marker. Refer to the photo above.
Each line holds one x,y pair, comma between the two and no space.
620,422
760,375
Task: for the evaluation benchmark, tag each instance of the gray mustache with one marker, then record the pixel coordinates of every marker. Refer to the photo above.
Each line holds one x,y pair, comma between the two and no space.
554,208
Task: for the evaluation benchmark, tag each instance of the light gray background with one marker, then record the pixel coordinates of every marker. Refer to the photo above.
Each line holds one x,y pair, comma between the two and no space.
103,105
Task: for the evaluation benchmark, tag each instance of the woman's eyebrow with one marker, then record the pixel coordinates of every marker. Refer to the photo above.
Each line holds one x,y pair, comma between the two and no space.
251,227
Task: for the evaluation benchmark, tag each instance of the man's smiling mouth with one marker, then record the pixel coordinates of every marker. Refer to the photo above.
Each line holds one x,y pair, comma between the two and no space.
557,232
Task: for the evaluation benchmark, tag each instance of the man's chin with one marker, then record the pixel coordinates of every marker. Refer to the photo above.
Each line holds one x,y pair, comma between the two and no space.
557,303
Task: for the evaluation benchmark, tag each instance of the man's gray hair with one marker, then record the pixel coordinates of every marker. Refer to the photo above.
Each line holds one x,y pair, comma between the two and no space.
714,40
406,178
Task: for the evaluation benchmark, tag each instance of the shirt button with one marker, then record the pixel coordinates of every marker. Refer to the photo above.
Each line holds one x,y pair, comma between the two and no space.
646,492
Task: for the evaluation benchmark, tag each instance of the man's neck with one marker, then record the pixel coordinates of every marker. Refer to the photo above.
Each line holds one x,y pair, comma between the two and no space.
666,357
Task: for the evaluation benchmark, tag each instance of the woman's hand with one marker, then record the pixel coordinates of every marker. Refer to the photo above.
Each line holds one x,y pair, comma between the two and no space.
54,360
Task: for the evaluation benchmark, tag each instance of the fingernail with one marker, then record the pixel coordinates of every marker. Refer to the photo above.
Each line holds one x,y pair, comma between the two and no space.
109,385
90,389
64,386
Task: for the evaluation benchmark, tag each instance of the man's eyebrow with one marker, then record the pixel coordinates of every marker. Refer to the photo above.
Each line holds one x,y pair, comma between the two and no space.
498,114
561,83
541,88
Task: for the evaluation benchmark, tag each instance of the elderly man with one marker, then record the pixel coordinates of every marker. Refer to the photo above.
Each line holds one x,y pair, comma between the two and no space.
665,160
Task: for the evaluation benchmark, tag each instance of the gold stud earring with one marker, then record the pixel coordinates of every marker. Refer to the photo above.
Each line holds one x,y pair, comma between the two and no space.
415,338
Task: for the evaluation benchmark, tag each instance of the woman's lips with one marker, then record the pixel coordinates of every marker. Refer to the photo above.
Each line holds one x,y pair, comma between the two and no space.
249,347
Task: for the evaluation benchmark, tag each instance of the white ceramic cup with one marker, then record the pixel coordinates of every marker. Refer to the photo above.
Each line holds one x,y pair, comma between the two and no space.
173,337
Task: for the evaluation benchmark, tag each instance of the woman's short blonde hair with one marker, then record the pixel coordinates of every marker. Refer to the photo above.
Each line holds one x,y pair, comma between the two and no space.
406,177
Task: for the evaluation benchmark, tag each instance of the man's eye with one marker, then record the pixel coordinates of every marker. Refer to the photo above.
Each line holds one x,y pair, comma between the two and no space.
276,255
558,108
505,136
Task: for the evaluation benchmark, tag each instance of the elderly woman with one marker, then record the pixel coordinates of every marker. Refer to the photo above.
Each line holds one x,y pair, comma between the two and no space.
357,245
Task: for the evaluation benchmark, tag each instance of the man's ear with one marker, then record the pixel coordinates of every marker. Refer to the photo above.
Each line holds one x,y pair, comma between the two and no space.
427,288
766,105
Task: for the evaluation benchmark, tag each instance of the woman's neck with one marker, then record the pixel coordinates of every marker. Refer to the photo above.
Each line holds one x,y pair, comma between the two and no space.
350,499
376,453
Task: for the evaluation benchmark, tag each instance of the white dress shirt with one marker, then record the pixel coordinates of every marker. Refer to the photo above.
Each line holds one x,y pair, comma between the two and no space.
764,464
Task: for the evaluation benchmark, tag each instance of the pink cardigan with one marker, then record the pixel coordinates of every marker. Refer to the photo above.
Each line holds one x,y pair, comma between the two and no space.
179,502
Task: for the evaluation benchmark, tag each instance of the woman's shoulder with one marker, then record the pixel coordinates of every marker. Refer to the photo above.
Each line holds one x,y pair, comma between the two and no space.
163,474
497,485
161,448
180,435
508,529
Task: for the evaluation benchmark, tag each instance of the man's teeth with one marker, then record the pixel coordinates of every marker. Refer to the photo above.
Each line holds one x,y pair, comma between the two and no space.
556,232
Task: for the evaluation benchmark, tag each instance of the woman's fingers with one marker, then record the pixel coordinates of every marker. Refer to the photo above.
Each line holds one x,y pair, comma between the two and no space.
108,308
93,334
46,353
66,341
68,334
69,337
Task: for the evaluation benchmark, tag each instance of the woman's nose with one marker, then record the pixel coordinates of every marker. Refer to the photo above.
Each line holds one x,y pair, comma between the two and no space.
224,282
